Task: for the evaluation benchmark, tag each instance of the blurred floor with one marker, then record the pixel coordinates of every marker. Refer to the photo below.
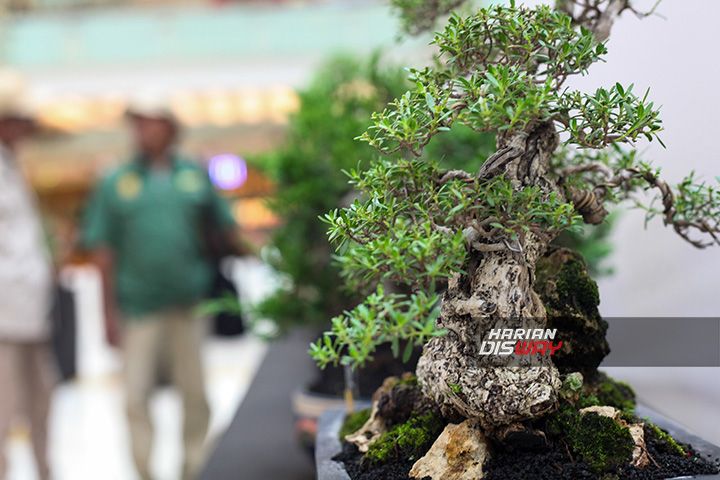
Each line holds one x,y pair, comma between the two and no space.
89,438
261,442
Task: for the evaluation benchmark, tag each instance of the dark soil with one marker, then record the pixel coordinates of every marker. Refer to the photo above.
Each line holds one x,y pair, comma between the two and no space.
555,463
352,458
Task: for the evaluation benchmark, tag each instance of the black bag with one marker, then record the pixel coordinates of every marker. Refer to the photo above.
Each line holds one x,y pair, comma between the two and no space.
64,329
224,299
229,322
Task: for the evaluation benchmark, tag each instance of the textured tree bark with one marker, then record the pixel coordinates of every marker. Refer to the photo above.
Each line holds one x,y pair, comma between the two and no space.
496,292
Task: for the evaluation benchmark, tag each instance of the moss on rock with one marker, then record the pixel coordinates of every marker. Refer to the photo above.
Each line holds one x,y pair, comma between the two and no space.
666,440
575,287
406,441
571,300
600,441
609,391
353,422
617,394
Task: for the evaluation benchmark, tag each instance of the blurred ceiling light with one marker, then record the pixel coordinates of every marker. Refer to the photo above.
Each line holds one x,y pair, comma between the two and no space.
188,106
227,171
69,114
220,108
282,102
251,108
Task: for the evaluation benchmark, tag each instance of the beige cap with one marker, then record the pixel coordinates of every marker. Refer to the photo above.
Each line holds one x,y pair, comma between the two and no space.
14,100
151,105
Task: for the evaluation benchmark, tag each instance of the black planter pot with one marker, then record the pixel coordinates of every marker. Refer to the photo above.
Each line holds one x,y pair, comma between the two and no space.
328,444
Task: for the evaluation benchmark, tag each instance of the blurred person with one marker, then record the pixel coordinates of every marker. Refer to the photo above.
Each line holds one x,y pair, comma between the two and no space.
27,373
144,225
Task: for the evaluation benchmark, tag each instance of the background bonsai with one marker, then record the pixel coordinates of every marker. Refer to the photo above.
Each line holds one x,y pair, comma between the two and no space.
562,156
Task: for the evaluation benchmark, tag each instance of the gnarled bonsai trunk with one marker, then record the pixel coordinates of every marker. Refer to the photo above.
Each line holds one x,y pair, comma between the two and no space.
496,292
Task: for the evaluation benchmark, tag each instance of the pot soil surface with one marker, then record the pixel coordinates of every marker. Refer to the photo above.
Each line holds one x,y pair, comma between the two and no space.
565,451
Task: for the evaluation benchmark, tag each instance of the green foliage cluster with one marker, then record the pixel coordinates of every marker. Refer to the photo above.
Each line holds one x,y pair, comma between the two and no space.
408,225
618,174
420,15
310,171
418,242
382,318
393,240
226,303
354,422
503,71
406,441
601,441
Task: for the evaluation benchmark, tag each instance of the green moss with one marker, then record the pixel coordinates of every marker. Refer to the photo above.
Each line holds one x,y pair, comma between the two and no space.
585,401
616,394
601,442
574,285
562,420
408,441
668,442
353,422
455,387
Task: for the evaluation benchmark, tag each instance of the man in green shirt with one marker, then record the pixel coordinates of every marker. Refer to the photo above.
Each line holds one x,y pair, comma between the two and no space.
144,225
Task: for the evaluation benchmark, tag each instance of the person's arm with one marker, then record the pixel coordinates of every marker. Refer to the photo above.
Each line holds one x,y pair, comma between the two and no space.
228,227
96,239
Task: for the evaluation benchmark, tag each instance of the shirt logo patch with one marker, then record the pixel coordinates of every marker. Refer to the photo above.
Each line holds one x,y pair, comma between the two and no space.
189,181
129,186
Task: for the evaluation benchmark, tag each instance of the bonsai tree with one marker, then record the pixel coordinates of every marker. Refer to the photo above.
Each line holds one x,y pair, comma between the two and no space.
468,242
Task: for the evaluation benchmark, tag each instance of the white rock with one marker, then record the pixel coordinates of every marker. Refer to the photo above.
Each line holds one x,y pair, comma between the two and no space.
457,454
369,432
603,411
640,456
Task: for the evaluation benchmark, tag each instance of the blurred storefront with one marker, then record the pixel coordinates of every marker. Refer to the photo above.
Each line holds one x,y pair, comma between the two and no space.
229,68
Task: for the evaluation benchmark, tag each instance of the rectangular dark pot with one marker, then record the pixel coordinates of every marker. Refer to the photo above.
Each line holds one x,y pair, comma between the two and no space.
328,444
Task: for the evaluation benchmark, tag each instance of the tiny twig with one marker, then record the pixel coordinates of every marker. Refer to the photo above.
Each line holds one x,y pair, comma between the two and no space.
567,449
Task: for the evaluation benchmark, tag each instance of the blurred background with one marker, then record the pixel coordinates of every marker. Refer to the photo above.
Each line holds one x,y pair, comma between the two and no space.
255,84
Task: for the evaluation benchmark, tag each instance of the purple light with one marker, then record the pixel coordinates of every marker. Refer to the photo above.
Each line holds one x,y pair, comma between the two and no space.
227,171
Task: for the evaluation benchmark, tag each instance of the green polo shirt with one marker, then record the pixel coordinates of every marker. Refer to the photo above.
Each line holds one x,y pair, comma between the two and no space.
152,222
